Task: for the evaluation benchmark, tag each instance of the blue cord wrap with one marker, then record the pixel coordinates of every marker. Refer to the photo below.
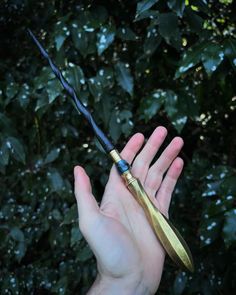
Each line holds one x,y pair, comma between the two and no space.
122,166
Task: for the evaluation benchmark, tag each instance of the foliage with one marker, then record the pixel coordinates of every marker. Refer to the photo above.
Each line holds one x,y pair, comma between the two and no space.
136,64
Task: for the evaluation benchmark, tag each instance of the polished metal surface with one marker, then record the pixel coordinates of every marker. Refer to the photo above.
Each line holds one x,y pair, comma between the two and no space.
167,234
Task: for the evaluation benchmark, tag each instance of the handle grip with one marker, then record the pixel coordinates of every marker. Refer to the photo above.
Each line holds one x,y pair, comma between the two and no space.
165,231
167,234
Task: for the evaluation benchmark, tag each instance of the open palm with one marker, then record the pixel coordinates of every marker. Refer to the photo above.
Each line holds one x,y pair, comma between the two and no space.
126,249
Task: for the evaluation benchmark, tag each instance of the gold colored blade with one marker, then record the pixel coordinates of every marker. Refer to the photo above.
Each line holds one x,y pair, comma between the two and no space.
167,234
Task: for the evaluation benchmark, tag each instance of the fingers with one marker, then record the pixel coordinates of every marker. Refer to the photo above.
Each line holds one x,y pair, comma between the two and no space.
87,205
142,162
168,185
156,171
132,147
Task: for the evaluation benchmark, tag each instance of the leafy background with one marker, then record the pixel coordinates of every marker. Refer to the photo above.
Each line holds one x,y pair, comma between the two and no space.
136,64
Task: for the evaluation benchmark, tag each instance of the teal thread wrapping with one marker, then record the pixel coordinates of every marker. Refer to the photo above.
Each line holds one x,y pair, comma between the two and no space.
122,166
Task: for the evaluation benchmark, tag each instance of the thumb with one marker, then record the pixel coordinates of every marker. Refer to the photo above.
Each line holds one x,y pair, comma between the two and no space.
87,205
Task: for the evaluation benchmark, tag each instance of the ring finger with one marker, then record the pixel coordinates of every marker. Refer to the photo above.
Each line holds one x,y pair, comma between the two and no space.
157,170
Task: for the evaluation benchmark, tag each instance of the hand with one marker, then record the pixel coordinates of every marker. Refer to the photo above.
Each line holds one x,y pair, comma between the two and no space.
129,256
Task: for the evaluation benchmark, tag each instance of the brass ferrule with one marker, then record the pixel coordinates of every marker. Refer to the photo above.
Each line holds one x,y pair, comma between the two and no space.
115,156
128,177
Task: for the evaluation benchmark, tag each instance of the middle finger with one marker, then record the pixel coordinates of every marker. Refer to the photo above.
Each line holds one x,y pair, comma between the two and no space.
142,162
157,170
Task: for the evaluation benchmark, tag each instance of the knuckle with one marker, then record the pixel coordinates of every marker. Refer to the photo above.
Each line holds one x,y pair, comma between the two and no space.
153,181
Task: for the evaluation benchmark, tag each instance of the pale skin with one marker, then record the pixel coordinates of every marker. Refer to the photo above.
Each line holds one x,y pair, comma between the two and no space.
129,256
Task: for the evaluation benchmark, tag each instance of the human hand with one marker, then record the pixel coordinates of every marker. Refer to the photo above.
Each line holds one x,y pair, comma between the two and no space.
129,256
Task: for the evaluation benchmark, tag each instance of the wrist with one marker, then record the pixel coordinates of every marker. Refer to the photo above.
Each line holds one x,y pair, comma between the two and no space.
117,286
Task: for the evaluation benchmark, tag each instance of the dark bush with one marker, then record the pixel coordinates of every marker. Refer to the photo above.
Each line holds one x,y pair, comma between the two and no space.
136,65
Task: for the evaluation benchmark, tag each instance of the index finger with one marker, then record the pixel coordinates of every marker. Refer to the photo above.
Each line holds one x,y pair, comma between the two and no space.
129,151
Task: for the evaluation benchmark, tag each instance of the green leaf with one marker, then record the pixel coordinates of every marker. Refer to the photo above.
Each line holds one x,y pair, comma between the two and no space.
41,80
152,14
71,215
20,248
180,283
84,254
4,155
188,104
61,286
212,56
61,34
179,121
76,236
210,230
168,28
124,118
5,122
190,59
59,40
174,107
124,77
23,95
152,41
16,148
17,234
143,6
219,181
218,206
168,24
20,251
53,89
177,117
180,107
230,50
106,76
99,15
195,22
201,6
11,90
212,188
105,37
125,33
12,284
114,126
229,228
81,40
104,108
177,6
151,104
229,184
52,155
41,102
56,180
56,214
95,87
75,76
